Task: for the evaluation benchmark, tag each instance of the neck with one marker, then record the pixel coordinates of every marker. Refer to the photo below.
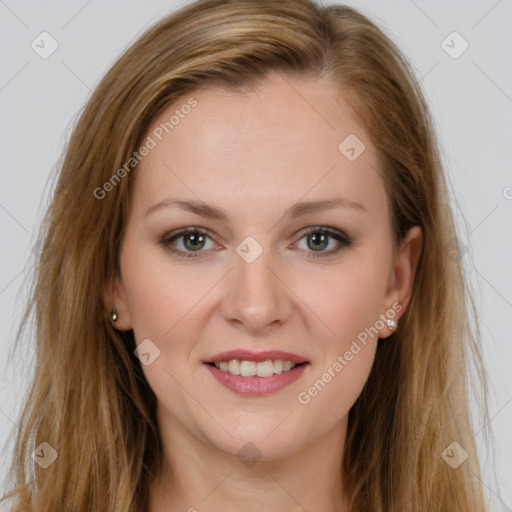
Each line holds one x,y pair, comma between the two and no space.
198,477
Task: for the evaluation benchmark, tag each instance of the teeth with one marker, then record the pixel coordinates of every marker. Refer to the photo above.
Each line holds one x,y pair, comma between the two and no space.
251,368
287,365
265,369
247,368
234,366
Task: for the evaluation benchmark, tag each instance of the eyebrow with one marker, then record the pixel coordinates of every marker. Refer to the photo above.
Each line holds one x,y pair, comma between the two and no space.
296,210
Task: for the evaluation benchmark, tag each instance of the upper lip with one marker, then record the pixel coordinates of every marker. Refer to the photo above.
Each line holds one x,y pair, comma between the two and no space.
249,355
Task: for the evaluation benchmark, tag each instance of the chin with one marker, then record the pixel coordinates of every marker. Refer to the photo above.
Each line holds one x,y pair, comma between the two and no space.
262,440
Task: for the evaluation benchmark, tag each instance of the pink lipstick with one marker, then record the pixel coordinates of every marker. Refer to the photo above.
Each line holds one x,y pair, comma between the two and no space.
254,374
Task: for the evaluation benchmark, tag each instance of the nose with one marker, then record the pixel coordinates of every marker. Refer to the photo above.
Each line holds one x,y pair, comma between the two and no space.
256,295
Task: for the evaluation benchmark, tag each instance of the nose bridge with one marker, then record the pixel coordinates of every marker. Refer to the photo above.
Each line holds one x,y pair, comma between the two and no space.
256,297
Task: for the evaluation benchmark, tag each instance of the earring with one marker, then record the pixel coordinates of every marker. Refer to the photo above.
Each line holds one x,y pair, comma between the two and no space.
391,324
114,314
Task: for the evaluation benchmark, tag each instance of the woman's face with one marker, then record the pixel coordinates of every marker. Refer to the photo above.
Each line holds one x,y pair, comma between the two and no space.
248,174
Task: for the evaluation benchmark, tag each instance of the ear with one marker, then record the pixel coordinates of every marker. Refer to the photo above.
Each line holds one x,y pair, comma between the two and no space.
401,278
114,296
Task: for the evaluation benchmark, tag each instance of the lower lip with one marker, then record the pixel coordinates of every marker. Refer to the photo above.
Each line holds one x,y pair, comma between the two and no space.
257,386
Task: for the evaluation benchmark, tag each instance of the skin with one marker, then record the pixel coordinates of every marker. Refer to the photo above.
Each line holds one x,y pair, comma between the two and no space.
255,154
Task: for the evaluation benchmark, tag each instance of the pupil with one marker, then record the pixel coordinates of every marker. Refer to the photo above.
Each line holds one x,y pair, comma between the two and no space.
323,239
195,238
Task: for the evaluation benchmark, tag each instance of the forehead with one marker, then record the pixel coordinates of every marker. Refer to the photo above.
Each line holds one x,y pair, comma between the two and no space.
283,140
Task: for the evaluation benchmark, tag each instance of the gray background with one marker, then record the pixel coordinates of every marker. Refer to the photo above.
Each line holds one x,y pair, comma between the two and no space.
470,97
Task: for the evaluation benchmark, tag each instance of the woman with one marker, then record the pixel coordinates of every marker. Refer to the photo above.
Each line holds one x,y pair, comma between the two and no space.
238,154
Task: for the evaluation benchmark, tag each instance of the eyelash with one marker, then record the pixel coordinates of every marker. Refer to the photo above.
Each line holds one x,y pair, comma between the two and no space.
340,236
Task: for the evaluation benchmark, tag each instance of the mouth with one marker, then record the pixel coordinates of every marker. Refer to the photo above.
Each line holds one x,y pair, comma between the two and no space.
256,374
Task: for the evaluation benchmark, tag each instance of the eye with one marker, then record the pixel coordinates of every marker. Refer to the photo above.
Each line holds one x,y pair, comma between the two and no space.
193,240
318,239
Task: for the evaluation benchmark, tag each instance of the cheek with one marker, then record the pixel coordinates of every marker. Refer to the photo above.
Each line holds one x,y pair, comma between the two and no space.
346,299
349,310
347,350
164,302
160,295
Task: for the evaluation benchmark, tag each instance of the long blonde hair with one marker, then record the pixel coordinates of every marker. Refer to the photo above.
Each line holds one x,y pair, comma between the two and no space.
89,399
